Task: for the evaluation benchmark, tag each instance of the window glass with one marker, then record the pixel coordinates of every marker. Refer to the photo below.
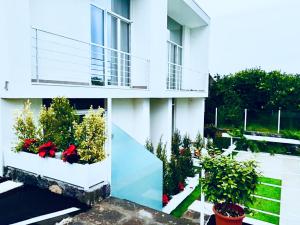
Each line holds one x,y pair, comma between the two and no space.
121,7
97,25
97,51
175,31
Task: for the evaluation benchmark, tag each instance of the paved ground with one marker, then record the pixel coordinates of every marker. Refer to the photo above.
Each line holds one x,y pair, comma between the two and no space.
113,211
286,168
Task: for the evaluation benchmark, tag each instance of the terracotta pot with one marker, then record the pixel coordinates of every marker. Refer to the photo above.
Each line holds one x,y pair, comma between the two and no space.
225,220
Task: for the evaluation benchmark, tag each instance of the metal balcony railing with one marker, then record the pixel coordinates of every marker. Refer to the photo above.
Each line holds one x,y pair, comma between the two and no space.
57,59
185,79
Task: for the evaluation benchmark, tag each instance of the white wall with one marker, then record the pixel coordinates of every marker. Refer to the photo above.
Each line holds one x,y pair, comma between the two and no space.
254,33
189,116
133,116
161,122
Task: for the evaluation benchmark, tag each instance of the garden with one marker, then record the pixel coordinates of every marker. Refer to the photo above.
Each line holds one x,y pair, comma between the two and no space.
256,100
59,145
228,182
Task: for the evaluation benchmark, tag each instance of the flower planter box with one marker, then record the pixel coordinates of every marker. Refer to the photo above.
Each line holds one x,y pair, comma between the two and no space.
84,176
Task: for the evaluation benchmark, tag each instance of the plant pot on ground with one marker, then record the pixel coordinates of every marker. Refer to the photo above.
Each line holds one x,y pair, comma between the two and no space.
229,184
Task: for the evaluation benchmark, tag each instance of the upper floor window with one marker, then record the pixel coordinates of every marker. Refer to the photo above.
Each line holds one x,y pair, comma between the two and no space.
110,52
175,31
121,7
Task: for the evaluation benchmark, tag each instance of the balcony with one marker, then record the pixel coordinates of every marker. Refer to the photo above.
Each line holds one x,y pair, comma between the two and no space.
185,79
62,60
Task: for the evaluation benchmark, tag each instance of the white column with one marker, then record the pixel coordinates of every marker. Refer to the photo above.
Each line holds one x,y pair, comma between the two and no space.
109,132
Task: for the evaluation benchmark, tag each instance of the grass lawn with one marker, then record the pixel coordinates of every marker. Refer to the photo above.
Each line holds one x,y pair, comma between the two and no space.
268,191
265,217
267,205
183,206
270,180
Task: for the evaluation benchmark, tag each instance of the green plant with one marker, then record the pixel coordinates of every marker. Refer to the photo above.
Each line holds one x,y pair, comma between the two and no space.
25,129
162,155
185,161
149,146
294,134
57,123
90,136
176,143
228,181
199,141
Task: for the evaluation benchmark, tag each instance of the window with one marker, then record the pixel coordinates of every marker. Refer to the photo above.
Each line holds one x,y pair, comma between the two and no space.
121,7
113,63
174,54
97,52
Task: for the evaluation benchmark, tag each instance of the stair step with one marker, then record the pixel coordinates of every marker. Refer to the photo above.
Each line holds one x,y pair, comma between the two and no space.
9,185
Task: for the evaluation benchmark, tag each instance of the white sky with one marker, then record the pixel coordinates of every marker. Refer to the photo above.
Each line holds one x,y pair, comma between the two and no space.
253,33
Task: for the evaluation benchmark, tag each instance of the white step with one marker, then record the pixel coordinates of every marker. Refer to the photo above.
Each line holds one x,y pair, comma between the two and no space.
9,185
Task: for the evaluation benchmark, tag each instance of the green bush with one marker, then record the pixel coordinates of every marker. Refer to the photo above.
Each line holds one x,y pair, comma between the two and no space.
149,146
57,123
90,136
25,128
229,181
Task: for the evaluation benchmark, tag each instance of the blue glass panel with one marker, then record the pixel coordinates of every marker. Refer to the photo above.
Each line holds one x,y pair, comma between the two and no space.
136,173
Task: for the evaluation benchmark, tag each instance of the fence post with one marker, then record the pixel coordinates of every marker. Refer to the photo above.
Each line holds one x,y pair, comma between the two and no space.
245,120
279,115
216,117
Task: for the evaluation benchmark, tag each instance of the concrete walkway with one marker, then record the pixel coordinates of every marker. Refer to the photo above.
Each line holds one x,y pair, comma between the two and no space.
286,168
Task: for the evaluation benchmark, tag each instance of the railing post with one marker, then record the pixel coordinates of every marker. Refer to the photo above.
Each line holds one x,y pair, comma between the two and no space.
36,56
279,115
216,117
245,120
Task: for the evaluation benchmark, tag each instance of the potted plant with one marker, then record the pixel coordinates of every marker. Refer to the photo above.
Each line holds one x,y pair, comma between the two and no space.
229,184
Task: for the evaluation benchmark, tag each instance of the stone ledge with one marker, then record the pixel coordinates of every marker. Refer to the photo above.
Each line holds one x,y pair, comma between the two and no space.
98,193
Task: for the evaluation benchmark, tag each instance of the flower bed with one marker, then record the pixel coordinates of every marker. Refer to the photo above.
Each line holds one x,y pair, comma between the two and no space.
60,147
85,176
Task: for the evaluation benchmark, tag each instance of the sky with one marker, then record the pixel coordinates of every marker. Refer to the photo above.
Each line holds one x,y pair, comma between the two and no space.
253,33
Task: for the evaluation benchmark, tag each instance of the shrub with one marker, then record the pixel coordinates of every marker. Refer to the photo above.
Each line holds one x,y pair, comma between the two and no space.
176,142
199,142
90,136
26,130
185,161
149,146
162,155
57,123
228,181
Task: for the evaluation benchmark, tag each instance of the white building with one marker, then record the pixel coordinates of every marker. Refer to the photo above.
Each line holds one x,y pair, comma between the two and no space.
145,61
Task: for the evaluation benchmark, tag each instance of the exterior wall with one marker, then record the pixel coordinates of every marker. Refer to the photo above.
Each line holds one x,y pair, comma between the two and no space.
132,116
161,122
142,113
189,116
148,41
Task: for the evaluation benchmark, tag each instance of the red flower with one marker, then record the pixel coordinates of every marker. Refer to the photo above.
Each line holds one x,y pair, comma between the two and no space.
181,151
181,186
28,142
70,154
47,149
165,199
